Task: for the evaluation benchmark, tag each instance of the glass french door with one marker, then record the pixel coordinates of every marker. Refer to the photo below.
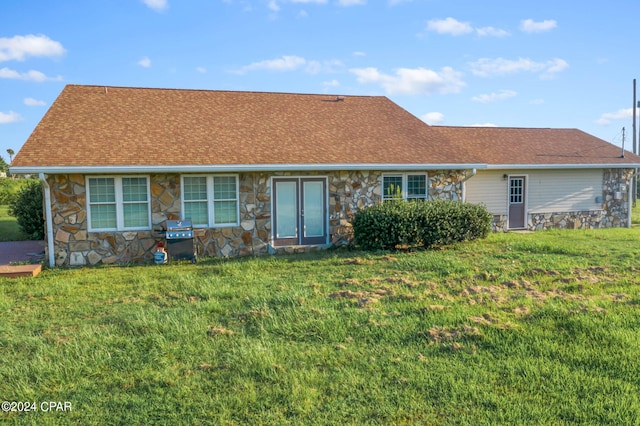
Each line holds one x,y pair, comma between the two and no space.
299,211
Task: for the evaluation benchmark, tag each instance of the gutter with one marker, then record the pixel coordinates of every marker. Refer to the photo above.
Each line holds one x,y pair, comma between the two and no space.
237,168
48,218
563,166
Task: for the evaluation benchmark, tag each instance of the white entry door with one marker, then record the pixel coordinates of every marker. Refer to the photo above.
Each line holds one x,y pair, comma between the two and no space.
517,197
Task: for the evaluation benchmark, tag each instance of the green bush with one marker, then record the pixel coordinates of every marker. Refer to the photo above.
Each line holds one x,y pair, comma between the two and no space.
401,223
27,209
447,222
9,189
385,225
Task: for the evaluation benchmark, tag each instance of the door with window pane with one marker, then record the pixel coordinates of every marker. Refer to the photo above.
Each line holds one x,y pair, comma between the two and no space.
299,211
517,193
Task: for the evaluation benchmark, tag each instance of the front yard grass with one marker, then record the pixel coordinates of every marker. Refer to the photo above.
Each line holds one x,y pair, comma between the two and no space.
537,328
9,229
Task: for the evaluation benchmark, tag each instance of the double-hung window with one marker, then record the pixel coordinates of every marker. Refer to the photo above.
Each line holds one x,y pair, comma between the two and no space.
210,201
408,186
118,203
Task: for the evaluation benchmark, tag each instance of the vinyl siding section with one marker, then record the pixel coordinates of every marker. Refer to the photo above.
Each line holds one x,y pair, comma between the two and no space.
564,190
547,191
488,188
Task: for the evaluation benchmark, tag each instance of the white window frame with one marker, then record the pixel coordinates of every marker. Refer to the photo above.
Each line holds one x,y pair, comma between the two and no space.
119,201
405,186
211,200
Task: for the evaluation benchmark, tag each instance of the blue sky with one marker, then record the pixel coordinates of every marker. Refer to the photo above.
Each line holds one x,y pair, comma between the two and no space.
465,62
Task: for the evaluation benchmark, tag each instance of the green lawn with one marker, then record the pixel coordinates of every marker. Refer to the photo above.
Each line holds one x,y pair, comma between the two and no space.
9,229
538,328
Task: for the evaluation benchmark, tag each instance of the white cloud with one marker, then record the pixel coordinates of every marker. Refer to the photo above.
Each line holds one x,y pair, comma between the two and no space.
621,114
31,75
145,62
273,6
351,2
18,48
412,81
10,117
285,63
486,67
34,102
530,26
555,66
291,63
331,83
201,70
536,101
454,27
491,32
157,5
433,118
449,26
492,97
359,54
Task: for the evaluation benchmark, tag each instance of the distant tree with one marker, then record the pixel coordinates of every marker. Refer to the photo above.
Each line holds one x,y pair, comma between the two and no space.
4,167
11,153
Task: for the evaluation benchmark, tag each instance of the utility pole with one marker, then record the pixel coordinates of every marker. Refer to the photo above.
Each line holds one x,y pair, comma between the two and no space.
634,182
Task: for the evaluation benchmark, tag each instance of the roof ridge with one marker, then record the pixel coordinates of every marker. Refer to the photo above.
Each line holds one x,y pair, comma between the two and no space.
506,127
257,92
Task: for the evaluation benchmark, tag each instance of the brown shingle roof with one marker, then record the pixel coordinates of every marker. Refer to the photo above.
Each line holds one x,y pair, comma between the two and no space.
116,126
97,126
523,146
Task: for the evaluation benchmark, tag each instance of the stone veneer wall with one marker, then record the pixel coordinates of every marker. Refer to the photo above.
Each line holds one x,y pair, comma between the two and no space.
614,213
348,191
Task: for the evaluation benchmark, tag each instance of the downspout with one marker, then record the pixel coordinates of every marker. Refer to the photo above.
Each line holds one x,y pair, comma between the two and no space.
48,218
466,178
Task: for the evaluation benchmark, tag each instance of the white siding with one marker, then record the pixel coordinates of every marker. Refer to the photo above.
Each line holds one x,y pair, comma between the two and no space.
547,190
564,190
488,187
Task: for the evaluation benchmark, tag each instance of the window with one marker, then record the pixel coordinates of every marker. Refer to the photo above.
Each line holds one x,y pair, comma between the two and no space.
118,203
407,186
210,201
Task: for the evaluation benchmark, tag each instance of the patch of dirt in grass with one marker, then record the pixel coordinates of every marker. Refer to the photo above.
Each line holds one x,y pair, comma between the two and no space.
366,298
389,280
488,319
541,271
619,297
215,331
439,334
359,261
584,308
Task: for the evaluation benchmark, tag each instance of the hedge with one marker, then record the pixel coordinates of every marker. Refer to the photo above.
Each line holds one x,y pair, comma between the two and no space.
27,208
399,223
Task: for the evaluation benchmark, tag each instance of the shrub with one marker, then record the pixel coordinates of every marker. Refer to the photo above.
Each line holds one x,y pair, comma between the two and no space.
385,225
401,223
27,208
447,222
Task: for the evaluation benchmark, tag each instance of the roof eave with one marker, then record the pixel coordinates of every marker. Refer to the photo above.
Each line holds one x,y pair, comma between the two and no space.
235,168
565,166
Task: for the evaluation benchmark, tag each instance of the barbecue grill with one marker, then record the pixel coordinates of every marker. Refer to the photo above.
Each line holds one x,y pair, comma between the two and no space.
180,243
